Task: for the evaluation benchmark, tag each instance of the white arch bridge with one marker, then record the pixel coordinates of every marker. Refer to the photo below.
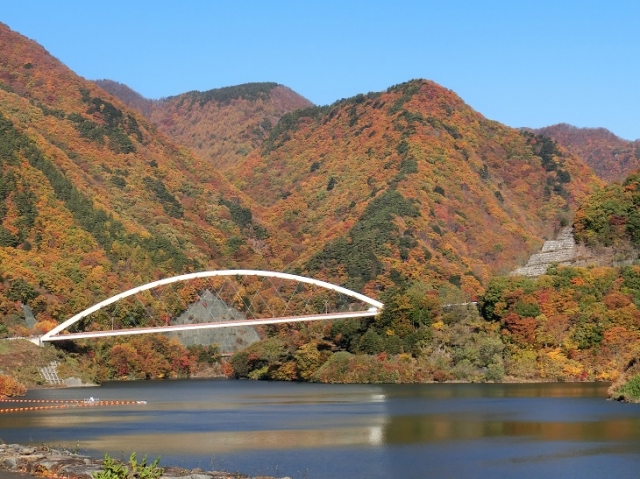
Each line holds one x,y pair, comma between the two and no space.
223,299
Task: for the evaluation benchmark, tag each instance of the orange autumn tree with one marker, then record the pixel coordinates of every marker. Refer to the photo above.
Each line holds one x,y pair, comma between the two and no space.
146,357
10,387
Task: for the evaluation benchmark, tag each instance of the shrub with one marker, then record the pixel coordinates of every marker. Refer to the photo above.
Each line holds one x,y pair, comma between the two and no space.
371,343
310,357
240,364
11,387
132,470
495,371
334,368
629,391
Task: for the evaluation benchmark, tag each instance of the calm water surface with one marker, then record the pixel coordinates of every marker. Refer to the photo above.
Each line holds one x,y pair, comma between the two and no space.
350,431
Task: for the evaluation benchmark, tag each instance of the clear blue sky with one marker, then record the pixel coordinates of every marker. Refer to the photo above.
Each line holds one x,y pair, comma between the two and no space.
523,63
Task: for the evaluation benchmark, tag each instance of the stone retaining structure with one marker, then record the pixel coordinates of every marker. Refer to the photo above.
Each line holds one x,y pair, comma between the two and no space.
560,251
565,252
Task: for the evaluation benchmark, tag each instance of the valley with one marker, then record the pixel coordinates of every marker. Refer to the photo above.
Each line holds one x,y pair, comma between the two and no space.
407,195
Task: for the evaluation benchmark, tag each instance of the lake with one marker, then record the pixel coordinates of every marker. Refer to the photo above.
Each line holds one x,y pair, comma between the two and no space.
313,431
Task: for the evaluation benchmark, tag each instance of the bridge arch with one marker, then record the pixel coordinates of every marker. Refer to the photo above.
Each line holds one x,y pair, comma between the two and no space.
55,335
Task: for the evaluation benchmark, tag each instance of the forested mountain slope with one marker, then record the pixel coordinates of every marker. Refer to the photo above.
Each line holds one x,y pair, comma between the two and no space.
409,184
128,96
94,200
611,157
568,324
610,219
408,195
221,125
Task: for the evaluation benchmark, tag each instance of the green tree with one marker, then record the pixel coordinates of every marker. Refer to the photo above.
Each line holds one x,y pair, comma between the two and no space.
21,290
371,343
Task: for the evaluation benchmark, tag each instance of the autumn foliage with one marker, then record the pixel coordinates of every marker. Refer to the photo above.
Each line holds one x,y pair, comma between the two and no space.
610,217
224,125
409,182
145,357
579,322
10,387
572,324
611,157
93,201
407,195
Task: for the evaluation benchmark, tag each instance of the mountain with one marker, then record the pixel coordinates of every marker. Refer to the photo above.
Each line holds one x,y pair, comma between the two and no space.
221,125
94,200
611,157
377,191
410,184
473,196
128,96
408,195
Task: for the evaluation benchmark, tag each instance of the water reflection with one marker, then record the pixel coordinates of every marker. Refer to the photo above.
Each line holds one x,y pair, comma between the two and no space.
452,430
220,442
416,429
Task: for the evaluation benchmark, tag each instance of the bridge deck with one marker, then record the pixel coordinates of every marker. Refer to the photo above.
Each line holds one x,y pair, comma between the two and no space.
217,324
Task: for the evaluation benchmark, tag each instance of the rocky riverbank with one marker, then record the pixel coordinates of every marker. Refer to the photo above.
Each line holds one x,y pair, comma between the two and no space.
43,461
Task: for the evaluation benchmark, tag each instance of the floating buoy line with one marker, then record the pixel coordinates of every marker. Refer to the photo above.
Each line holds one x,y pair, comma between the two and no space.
63,403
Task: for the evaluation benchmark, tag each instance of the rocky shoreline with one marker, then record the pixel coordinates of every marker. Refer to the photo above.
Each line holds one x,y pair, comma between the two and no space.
43,461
